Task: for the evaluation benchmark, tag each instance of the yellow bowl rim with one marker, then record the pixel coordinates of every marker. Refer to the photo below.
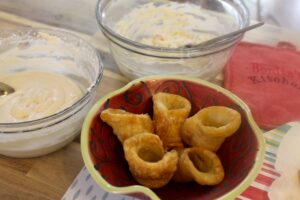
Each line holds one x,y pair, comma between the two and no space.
142,189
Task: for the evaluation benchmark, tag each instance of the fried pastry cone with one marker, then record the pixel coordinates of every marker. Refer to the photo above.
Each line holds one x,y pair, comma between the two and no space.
147,160
210,126
169,113
126,124
200,165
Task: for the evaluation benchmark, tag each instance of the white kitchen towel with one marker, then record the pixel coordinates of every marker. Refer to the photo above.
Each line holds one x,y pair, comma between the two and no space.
85,188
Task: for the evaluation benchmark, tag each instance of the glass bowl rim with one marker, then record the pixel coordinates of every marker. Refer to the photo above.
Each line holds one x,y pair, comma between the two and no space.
69,109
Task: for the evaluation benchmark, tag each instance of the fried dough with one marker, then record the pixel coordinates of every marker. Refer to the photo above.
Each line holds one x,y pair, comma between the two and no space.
200,165
147,160
209,127
126,124
169,113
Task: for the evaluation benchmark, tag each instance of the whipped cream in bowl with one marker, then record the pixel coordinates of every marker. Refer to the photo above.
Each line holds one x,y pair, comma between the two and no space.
55,76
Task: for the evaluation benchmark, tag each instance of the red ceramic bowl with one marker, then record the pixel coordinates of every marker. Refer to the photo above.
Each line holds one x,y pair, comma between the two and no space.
241,154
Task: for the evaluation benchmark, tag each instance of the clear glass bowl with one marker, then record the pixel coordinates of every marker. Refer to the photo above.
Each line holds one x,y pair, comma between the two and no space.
49,51
136,59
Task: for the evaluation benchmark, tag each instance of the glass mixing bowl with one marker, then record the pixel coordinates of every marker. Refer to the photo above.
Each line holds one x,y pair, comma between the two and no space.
137,59
48,51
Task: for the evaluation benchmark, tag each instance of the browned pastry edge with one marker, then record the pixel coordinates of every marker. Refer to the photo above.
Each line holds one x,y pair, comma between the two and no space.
126,124
209,127
169,113
200,165
156,168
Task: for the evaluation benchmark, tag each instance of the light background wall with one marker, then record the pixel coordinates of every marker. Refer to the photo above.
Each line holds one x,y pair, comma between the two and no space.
73,13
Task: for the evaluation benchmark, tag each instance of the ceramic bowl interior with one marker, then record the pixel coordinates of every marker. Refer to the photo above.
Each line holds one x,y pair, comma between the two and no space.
241,154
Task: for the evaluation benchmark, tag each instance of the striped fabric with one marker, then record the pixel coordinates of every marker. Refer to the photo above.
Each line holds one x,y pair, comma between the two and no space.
259,188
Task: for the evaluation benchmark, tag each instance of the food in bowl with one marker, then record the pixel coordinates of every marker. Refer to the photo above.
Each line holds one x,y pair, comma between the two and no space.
126,124
37,95
200,165
153,161
170,25
55,75
209,127
169,113
241,154
154,38
148,163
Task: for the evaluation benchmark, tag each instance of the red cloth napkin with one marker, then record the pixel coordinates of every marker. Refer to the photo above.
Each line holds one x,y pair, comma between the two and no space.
268,80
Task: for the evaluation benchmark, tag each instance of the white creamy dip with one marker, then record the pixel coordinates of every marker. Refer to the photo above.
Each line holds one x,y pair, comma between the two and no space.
37,95
170,25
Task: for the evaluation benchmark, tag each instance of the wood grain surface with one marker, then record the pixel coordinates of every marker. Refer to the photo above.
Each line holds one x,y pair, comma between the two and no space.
48,177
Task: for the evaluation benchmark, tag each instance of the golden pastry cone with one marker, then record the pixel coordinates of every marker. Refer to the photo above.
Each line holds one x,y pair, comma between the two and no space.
210,126
147,160
169,113
200,165
180,175
126,124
